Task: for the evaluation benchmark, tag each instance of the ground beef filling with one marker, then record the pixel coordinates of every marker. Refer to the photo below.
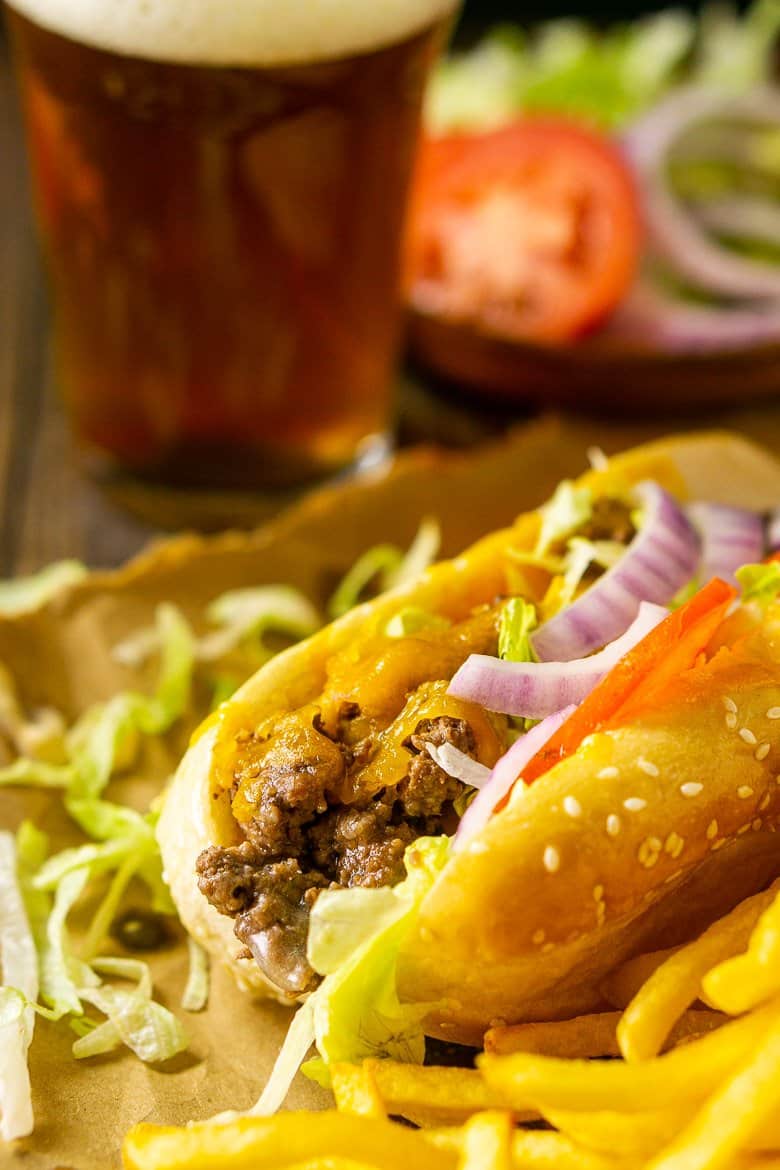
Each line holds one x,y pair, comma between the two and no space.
299,843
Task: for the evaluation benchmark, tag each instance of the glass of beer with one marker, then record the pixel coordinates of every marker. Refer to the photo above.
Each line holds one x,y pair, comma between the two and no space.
220,188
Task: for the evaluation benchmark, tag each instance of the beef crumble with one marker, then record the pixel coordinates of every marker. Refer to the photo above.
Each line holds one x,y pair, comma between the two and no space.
300,840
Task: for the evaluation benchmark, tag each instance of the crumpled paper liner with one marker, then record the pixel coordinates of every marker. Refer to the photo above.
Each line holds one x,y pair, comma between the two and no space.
61,656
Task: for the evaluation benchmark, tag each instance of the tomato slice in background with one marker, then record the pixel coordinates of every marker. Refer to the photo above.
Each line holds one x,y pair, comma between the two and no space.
531,232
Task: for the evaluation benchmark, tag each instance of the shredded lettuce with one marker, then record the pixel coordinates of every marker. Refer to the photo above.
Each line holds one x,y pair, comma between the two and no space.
249,614
412,619
355,937
580,555
133,1018
19,970
388,566
196,991
760,583
25,593
518,619
607,77
569,509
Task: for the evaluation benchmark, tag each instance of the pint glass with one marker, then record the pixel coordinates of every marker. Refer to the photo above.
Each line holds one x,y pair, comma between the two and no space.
220,190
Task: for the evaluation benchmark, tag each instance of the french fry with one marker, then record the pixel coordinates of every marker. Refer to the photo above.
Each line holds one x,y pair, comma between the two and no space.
622,984
632,1136
355,1090
486,1143
431,1096
654,1010
586,1036
532,1150
739,984
733,1114
690,1072
287,1140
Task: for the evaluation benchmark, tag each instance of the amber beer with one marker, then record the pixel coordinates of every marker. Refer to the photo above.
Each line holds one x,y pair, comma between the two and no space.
220,189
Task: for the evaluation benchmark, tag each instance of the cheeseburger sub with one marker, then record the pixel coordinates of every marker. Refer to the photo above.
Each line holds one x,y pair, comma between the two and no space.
556,750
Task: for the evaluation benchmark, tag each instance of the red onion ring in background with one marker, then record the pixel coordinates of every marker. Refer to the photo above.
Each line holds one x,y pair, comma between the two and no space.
508,769
458,765
534,690
672,228
747,217
773,531
662,557
730,538
651,319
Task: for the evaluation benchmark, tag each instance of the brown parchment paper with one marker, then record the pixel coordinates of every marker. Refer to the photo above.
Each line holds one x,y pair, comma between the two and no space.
61,655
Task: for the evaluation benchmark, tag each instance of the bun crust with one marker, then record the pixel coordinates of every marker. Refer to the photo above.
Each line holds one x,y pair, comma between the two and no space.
526,921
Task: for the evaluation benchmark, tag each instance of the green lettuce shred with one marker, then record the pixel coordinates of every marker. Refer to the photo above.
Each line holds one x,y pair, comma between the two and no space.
388,567
760,583
518,619
607,77
355,938
412,619
26,593
570,508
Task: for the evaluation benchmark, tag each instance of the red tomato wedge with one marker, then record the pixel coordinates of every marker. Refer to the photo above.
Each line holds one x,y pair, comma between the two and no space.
639,678
531,232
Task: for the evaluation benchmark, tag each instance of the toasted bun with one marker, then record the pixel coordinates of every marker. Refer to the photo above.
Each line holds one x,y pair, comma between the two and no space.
478,951
236,32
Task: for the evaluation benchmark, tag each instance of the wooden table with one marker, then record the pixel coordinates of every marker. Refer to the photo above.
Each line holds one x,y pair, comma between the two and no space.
49,509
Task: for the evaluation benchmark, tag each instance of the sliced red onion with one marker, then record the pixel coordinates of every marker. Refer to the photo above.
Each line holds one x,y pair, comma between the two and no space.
773,531
747,217
458,765
662,557
508,769
651,319
533,690
730,538
672,228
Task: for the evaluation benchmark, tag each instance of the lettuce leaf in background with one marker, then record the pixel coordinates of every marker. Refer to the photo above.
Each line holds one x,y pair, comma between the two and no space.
608,78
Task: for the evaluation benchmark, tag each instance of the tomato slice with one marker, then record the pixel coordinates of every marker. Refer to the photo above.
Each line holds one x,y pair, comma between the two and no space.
636,682
530,232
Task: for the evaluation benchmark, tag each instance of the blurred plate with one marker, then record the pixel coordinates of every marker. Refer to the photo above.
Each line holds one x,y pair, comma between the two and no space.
601,373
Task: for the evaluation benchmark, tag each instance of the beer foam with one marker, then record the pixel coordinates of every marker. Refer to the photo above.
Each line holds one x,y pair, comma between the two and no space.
236,32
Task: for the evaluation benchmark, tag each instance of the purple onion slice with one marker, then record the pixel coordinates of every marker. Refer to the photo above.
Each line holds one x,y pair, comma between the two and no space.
534,690
730,538
661,559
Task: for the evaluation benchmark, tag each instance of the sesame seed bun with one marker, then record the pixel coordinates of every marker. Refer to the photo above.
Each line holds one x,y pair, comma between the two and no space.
640,838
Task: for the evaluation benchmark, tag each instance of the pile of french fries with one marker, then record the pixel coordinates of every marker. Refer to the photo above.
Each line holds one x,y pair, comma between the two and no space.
695,1084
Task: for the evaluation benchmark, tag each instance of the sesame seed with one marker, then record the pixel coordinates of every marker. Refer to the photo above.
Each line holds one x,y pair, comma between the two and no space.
730,705
756,824
716,845
548,946
552,859
649,851
598,893
692,788
613,822
647,766
773,713
571,806
731,721
744,792
537,938
764,802
634,804
674,845
742,830
762,751
746,734
608,773
712,830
